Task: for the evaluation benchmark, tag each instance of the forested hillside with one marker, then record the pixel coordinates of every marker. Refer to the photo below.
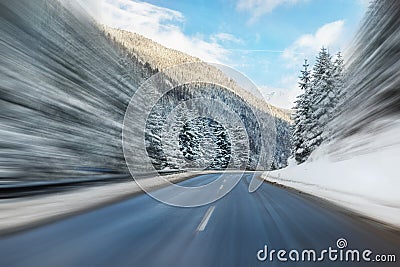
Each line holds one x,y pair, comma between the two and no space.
160,58
65,89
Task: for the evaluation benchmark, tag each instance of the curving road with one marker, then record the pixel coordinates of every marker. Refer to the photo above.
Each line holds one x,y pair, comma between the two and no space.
229,232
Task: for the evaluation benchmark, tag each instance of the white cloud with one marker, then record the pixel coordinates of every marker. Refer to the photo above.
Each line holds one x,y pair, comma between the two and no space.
226,38
162,25
258,8
330,35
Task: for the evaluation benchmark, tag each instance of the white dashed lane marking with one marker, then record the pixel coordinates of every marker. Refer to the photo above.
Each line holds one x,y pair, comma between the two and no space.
205,219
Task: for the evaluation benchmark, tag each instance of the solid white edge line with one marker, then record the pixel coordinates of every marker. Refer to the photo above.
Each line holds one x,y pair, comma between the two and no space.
205,219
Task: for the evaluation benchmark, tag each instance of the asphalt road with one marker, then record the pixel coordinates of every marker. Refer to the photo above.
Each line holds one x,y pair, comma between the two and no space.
229,232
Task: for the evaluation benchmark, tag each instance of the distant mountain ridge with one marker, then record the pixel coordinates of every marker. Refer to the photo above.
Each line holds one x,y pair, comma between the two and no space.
160,58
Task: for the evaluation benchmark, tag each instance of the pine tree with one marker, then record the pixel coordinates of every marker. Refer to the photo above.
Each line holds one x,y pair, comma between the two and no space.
301,117
322,99
338,76
317,105
338,68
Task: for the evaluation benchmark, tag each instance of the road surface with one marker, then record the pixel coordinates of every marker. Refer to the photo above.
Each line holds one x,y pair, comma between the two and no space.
229,232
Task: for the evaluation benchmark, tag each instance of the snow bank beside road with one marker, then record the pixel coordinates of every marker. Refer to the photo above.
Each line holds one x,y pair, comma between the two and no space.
21,213
366,182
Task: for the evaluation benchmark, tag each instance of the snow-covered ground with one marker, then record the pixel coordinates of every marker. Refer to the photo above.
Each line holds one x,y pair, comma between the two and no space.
20,213
360,173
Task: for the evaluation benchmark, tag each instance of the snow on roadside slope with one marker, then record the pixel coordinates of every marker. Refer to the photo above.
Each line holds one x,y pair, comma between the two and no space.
26,212
364,180
359,168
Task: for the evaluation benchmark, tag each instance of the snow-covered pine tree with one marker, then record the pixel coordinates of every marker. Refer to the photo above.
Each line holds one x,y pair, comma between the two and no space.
322,99
338,76
301,117
338,68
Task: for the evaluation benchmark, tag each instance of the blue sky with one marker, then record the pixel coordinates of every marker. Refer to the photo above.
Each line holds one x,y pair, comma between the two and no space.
266,40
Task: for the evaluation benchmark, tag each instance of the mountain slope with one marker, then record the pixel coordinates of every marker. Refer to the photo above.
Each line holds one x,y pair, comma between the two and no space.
191,69
160,58
65,87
